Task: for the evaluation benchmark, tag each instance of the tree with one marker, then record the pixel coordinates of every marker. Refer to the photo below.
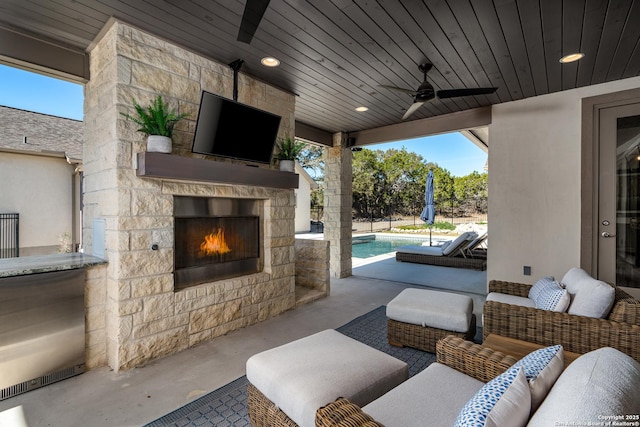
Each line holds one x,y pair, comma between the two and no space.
392,182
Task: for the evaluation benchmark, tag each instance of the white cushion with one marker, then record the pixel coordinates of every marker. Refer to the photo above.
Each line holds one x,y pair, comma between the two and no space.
552,296
469,235
542,368
505,401
602,383
510,299
420,250
589,297
594,298
414,404
303,375
572,277
442,310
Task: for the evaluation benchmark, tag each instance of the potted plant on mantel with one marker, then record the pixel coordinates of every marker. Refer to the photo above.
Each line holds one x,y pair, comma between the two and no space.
157,122
288,151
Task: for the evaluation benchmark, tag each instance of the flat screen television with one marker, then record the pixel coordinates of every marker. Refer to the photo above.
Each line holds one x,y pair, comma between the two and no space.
230,129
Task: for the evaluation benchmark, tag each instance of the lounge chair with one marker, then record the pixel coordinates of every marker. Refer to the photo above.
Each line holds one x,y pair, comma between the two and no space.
476,248
447,255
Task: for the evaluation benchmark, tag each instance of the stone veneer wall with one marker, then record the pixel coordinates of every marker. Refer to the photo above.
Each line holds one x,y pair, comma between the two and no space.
143,317
337,205
312,264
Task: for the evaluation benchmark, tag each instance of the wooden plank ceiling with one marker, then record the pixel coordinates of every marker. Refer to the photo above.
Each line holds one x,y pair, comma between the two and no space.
336,54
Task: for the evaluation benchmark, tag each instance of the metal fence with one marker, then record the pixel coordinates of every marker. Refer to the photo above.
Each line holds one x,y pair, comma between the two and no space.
9,237
455,212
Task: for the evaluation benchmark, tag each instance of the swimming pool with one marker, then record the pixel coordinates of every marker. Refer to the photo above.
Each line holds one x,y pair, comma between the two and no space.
371,245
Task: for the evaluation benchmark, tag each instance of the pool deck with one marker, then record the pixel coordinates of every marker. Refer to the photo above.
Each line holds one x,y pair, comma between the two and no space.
385,267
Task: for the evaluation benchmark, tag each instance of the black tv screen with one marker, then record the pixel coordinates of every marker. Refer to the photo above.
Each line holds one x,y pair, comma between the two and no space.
230,129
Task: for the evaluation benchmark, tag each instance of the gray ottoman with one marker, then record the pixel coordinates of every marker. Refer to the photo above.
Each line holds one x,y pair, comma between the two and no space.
288,384
418,318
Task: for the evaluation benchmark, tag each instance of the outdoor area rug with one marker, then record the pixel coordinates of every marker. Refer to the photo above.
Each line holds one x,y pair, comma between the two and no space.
227,406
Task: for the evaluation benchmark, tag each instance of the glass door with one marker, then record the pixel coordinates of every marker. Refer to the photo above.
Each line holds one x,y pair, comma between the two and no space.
619,196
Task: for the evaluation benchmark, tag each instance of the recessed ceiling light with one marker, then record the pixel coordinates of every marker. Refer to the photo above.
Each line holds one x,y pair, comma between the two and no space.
571,58
270,61
361,109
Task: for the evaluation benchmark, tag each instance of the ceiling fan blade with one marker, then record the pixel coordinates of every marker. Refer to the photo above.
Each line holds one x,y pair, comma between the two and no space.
253,12
399,89
412,110
451,93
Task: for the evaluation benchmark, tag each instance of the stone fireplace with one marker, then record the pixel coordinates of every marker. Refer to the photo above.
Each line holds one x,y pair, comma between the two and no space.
142,201
215,238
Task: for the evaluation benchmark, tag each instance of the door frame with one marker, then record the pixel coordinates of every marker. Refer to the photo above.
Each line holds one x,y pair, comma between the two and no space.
590,164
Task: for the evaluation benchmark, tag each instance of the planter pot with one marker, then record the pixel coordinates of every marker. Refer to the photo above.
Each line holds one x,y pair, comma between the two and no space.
159,144
287,165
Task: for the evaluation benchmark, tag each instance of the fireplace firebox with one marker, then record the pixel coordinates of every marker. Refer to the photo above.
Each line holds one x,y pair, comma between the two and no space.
215,238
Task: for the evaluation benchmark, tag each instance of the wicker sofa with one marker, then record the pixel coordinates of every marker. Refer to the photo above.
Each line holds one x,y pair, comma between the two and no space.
596,385
620,329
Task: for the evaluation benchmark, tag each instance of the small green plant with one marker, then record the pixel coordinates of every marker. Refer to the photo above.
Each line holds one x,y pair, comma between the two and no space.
288,148
443,225
155,119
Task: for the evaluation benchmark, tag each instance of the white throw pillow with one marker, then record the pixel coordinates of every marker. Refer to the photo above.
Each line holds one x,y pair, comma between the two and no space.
594,298
599,384
571,279
505,401
552,297
542,368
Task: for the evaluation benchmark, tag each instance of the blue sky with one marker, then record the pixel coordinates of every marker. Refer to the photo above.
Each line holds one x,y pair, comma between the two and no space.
35,92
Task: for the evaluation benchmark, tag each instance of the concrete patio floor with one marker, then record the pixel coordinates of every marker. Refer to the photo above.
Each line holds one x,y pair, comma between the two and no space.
132,398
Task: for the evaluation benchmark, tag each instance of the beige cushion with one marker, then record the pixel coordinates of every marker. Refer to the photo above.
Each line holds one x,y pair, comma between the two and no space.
442,310
505,401
303,375
572,277
464,237
542,368
415,404
589,297
601,383
510,299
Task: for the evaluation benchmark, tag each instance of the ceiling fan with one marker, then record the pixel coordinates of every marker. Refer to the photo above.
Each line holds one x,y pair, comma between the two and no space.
425,92
253,12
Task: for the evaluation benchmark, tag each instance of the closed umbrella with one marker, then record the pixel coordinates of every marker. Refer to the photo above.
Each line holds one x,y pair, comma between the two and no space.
428,213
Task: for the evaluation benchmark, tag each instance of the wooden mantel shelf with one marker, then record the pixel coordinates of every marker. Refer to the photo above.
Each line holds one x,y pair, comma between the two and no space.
170,167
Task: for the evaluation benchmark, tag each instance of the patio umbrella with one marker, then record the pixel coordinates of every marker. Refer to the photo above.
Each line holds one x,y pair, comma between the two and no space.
428,213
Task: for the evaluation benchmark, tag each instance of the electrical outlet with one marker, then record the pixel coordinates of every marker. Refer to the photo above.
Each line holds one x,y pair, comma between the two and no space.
526,270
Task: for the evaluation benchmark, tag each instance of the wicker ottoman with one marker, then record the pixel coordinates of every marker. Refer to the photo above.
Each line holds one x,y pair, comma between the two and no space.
418,318
288,384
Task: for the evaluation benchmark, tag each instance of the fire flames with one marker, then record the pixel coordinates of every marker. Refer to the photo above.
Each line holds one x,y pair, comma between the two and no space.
214,244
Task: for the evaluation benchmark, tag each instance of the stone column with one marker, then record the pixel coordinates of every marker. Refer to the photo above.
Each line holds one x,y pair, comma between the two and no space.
338,202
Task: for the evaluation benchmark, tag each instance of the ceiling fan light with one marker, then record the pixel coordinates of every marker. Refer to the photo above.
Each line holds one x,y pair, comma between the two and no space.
571,58
270,61
362,109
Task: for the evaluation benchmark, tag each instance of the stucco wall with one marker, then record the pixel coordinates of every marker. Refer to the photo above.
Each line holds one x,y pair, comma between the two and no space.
534,183
39,188
303,206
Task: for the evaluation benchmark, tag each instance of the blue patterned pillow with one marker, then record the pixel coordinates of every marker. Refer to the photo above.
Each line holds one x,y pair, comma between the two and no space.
535,290
503,401
542,368
552,297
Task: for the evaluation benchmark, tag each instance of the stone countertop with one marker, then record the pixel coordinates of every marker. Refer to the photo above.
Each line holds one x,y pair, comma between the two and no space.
22,266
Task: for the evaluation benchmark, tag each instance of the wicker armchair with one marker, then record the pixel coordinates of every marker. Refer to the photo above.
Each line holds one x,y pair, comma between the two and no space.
578,334
471,359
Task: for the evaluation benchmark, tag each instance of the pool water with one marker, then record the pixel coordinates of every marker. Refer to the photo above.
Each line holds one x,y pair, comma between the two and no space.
370,246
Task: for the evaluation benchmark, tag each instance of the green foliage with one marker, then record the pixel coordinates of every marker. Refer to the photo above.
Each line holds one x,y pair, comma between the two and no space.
155,119
288,148
393,181
440,225
443,225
